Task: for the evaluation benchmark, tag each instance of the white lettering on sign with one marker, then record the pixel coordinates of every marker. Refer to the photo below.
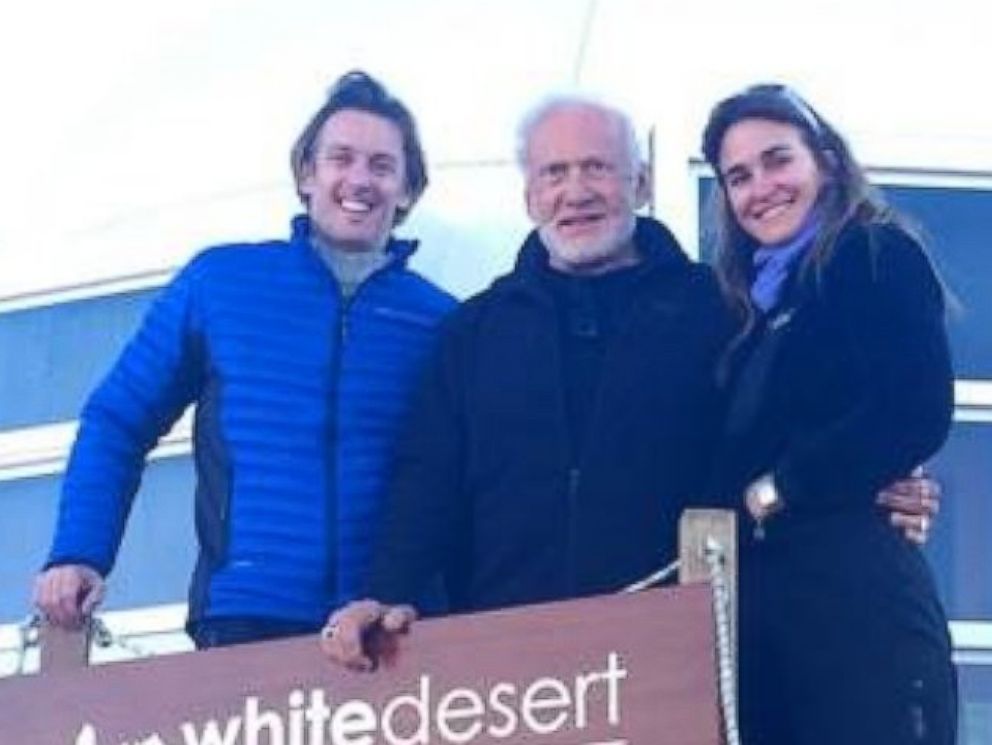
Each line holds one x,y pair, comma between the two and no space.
535,701
211,734
418,708
458,717
503,708
456,706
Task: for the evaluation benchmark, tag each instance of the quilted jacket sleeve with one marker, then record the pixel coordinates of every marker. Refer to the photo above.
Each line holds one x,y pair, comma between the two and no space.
156,376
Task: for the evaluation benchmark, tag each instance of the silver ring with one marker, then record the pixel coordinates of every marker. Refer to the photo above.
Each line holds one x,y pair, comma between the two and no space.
329,630
924,523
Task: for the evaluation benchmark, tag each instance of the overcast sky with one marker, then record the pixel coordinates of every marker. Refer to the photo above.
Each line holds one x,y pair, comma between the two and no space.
134,133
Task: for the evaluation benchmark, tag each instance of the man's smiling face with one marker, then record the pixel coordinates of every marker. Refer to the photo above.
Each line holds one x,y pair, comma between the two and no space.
583,187
356,180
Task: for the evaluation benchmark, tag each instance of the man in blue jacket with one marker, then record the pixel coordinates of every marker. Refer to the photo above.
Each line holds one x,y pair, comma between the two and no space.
300,356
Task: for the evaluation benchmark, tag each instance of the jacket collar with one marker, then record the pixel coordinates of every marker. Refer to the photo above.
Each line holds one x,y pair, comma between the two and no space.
655,242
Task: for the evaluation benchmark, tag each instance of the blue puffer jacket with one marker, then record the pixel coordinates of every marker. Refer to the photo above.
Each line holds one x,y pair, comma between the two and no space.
298,400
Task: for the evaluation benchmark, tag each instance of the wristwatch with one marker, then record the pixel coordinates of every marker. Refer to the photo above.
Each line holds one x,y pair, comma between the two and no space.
763,495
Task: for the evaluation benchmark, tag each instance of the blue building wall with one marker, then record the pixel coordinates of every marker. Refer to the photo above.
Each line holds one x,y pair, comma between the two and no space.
53,356
156,557
957,224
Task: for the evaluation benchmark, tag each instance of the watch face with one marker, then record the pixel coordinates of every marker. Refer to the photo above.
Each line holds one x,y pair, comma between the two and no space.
767,495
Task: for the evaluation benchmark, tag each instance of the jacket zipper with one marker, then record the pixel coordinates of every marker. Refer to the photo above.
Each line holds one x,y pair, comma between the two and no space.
334,375
573,469
572,505
345,306
625,328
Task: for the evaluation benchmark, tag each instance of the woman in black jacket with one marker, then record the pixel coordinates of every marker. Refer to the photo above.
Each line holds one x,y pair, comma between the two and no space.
840,382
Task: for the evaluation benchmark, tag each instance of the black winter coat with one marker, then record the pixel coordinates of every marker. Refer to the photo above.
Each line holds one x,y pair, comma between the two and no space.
847,385
843,389
487,489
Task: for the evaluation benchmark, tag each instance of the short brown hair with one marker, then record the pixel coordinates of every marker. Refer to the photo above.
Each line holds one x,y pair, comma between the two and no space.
360,91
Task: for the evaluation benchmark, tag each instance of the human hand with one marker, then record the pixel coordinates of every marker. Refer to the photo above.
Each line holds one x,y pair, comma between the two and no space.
66,595
913,503
364,632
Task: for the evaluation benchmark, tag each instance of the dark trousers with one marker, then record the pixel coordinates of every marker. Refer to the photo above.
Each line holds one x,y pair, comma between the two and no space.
226,632
842,643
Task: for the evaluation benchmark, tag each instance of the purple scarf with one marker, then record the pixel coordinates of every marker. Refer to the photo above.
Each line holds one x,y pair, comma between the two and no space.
774,263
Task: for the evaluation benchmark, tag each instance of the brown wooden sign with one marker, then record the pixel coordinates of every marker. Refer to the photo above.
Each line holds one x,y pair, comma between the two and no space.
635,669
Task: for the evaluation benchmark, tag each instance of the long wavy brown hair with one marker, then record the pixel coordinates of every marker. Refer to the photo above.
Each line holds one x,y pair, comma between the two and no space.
845,196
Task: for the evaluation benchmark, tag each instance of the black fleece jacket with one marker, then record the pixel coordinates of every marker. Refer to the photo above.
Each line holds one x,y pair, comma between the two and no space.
847,384
488,489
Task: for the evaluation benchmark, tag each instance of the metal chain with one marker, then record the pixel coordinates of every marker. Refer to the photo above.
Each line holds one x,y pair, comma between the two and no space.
714,556
104,638
28,632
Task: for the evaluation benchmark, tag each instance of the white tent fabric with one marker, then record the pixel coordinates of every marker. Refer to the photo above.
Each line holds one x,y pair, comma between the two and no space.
135,133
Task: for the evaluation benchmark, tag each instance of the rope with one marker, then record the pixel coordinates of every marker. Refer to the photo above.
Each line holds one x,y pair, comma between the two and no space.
655,578
714,556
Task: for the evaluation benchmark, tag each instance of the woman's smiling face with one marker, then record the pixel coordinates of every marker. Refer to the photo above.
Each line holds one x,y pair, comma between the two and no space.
771,178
